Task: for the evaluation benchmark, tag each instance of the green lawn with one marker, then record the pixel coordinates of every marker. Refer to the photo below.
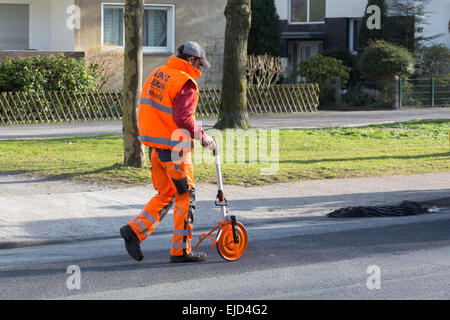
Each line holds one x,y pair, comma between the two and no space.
304,154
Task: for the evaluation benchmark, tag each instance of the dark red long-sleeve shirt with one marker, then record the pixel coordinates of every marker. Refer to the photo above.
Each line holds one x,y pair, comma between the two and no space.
184,107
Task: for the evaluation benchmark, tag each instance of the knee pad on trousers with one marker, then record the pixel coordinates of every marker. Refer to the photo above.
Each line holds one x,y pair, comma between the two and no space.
181,185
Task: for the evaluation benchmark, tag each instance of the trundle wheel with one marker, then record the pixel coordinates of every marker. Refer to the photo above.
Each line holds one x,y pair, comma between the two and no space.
226,245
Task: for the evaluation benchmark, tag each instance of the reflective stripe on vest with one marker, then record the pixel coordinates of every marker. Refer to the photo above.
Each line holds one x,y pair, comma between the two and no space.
156,105
168,142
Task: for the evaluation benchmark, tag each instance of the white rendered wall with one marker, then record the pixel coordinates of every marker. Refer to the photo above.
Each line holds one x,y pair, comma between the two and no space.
62,37
345,8
334,8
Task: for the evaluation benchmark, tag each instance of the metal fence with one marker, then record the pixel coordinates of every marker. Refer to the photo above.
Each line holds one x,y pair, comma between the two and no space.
31,107
424,92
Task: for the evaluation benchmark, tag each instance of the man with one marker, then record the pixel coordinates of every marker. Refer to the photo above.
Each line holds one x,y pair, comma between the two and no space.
167,125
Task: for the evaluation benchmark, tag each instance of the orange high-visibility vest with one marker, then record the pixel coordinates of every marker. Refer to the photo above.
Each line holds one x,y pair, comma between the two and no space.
157,128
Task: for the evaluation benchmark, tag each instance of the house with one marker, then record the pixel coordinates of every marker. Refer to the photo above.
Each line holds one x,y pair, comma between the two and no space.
309,27
76,25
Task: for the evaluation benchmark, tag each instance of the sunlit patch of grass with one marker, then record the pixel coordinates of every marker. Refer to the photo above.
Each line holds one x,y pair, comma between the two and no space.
419,146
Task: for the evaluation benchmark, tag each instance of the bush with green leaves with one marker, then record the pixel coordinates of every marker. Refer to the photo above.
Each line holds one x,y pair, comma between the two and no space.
46,73
434,61
382,60
265,32
358,95
348,59
323,71
341,54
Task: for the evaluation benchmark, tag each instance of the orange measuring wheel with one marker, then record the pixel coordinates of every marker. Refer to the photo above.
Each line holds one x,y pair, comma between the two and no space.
230,245
232,236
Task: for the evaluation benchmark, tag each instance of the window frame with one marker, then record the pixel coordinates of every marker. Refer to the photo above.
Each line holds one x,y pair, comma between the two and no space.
170,9
308,14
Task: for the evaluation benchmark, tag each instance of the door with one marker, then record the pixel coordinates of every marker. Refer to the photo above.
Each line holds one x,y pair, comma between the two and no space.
302,50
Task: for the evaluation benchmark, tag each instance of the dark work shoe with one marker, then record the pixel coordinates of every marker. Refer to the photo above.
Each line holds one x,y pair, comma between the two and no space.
132,243
191,257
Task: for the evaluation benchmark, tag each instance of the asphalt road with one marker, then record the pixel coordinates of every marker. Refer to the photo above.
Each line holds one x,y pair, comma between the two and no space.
323,119
315,258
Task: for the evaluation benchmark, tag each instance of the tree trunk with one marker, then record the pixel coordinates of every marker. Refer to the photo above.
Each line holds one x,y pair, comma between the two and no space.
233,106
134,151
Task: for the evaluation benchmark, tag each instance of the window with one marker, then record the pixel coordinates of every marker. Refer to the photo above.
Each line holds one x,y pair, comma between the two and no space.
354,25
113,26
158,27
155,28
307,11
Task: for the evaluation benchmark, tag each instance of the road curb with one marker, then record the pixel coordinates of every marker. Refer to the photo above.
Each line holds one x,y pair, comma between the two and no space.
439,202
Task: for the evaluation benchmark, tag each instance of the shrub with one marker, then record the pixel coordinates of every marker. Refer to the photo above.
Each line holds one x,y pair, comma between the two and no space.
347,58
434,61
341,54
382,60
107,62
358,95
263,70
45,73
323,71
265,31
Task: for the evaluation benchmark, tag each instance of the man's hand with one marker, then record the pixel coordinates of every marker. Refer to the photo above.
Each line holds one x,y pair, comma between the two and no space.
209,143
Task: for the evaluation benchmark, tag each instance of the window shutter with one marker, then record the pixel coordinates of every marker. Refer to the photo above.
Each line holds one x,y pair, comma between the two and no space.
14,27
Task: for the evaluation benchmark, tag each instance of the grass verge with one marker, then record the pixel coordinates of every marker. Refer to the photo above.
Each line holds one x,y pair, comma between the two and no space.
420,146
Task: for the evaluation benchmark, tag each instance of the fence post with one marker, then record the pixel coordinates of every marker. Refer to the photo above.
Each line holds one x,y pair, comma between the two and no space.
400,92
432,91
338,92
396,104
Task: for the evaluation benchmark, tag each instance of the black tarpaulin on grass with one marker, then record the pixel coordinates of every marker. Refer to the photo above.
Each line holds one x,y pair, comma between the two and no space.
406,208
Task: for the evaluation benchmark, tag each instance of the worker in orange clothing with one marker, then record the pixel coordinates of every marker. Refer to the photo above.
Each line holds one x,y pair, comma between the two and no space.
167,126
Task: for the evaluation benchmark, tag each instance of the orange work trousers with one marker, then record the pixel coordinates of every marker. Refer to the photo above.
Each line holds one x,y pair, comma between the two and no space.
174,182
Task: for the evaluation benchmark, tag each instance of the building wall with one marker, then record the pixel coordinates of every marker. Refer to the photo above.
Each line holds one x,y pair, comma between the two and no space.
62,35
345,8
337,30
334,8
195,20
40,25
